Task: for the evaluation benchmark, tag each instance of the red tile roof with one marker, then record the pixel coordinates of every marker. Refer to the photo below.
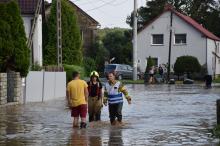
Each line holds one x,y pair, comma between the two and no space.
188,20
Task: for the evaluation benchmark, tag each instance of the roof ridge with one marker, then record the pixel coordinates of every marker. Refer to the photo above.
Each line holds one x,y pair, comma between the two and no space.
187,19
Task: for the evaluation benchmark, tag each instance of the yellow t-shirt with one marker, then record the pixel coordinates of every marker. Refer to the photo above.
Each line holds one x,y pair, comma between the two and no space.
76,92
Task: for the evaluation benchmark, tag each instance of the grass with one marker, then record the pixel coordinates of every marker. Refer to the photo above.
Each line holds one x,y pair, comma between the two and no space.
133,82
217,80
216,131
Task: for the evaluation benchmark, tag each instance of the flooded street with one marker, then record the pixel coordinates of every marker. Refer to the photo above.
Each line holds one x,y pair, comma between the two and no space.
159,115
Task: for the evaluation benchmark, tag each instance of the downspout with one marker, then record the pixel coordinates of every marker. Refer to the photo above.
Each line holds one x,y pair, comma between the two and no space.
215,58
207,56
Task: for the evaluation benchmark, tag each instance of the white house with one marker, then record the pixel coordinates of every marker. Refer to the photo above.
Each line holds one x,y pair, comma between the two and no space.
27,8
188,38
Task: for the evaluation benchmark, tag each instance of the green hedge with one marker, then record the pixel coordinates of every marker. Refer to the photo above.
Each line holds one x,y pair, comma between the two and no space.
70,68
89,65
187,64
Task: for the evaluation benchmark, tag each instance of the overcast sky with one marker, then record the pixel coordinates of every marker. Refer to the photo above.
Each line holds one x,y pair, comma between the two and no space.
109,13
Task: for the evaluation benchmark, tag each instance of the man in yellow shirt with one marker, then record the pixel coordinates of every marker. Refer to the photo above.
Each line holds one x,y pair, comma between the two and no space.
77,97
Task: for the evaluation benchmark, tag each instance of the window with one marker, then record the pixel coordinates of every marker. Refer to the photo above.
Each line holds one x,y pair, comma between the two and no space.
157,39
180,39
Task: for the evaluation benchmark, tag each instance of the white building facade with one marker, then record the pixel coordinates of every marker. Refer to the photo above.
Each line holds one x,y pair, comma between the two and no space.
188,38
36,53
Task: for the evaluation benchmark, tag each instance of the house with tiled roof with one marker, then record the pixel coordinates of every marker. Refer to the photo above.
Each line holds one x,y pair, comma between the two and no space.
188,38
27,10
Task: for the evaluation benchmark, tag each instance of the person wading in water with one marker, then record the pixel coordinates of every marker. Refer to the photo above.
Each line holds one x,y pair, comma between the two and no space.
113,95
77,97
95,97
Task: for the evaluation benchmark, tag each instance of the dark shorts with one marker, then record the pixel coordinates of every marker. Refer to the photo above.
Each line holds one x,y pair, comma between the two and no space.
151,75
80,110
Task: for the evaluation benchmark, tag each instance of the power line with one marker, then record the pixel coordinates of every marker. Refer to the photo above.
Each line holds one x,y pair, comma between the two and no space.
117,4
101,6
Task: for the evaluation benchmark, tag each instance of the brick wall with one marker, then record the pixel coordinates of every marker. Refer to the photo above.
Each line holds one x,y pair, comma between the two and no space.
3,88
14,87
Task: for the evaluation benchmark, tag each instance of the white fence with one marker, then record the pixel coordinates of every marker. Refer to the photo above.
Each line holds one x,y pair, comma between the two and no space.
43,86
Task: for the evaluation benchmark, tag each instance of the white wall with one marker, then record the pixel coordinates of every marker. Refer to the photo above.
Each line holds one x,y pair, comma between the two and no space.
44,86
37,38
213,62
196,44
34,86
27,24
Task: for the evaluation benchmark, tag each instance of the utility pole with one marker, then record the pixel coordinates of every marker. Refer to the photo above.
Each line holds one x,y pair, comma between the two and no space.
170,44
135,41
59,34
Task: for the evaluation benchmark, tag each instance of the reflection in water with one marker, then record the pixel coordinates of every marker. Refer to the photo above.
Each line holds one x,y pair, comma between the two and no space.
115,137
78,138
82,138
95,141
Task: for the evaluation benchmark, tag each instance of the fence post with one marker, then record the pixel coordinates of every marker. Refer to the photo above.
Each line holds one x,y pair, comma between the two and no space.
218,111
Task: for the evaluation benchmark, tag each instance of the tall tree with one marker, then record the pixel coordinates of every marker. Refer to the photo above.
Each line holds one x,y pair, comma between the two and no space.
118,43
17,56
99,53
71,39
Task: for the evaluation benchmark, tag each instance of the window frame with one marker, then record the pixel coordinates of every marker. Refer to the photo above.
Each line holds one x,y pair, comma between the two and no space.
152,38
180,43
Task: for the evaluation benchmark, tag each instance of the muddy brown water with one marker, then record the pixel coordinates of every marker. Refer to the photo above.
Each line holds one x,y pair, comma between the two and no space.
159,115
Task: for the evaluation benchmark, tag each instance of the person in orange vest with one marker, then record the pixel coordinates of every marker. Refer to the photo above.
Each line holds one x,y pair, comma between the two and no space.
95,97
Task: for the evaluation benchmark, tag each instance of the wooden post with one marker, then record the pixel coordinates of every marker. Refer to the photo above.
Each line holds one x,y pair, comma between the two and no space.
218,111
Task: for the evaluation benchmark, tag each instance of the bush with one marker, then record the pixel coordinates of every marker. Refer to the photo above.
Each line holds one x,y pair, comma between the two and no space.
186,64
36,67
150,63
70,68
89,65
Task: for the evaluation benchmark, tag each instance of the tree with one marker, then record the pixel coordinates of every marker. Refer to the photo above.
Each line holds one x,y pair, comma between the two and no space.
89,65
99,53
119,45
187,64
205,12
71,39
15,54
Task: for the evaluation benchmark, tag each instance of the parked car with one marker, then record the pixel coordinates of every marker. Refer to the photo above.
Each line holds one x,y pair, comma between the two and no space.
122,71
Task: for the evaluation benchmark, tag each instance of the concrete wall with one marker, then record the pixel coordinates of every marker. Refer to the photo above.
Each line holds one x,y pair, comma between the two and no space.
3,88
37,43
196,43
213,62
43,86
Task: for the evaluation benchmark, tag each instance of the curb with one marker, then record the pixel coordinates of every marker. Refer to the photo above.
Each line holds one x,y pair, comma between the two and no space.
9,104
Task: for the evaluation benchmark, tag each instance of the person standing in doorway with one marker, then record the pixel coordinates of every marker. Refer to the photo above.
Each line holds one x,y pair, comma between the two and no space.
77,97
151,73
114,91
95,97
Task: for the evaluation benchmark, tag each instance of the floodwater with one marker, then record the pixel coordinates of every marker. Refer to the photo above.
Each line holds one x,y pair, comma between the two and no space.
159,115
